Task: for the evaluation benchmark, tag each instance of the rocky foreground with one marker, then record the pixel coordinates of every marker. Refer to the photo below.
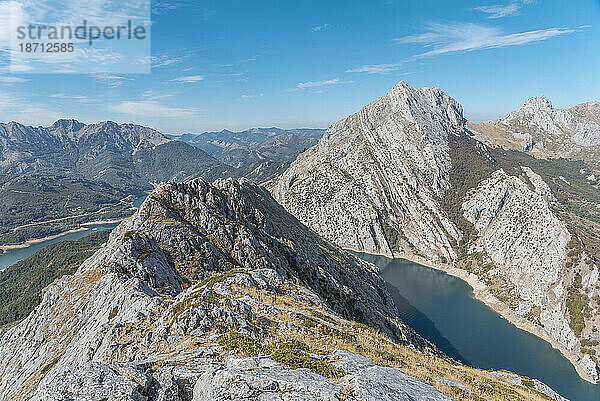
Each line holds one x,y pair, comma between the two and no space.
214,292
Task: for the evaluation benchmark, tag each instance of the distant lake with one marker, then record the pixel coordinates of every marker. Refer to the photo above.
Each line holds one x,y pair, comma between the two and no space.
13,256
443,309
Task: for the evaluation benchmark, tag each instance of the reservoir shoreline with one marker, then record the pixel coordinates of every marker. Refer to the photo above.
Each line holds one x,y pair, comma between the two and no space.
30,242
482,293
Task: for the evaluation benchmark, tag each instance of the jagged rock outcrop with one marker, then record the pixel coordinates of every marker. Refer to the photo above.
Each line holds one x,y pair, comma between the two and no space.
539,128
115,308
521,235
371,181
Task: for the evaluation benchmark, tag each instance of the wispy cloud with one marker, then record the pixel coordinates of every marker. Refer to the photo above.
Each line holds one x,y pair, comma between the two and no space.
152,95
466,37
320,28
499,11
112,81
317,84
503,10
10,80
65,96
151,108
189,79
245,97
377,68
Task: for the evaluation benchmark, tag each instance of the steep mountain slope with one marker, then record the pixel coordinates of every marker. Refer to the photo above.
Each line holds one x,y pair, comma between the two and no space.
256,283
125,155
544,131
21,284
371,181
405,175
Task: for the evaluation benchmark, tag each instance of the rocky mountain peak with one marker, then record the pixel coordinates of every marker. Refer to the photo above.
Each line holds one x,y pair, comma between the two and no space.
420,101
537,103
67,124
391,155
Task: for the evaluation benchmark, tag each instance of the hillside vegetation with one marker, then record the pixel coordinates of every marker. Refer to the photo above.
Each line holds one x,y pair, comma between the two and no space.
21,284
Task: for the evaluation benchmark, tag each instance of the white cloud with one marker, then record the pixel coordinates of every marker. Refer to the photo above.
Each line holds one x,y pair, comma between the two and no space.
499,11
151,108
65,96
9,80
244,97
189,79
320,28
377,68
316,84
466,37
112,81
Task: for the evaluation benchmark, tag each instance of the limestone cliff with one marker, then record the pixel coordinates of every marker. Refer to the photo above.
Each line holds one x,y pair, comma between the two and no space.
545,131
372,180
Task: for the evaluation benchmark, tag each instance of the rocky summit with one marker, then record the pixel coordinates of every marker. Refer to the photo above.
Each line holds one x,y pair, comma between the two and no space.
545,131
372,180
215,292
407,175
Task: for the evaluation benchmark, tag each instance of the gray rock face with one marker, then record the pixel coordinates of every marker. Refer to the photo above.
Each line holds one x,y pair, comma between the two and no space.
118,307
244,379
25,149
519,232
537,114
370,182
573,132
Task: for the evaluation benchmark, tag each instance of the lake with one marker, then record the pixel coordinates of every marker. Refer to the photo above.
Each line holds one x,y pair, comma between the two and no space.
13,256
443,309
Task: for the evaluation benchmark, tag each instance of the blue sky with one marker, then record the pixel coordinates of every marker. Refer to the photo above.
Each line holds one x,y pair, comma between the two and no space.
240,64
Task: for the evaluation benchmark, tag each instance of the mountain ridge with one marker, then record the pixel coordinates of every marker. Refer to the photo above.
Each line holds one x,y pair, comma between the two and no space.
213,291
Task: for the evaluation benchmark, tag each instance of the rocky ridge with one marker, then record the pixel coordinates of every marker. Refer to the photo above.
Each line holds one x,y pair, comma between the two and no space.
204,272
545,131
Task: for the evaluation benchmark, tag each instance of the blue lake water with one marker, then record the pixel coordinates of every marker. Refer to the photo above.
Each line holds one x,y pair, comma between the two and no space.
443,309
13,256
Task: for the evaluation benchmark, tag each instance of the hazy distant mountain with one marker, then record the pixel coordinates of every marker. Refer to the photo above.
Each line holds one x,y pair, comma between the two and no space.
120,154
255,145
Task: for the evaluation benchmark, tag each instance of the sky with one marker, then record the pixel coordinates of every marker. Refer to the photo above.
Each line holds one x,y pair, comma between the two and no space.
224,64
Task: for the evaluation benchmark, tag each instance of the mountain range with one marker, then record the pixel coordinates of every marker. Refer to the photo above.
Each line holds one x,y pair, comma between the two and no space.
255,145
124,160
119,154
234,290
